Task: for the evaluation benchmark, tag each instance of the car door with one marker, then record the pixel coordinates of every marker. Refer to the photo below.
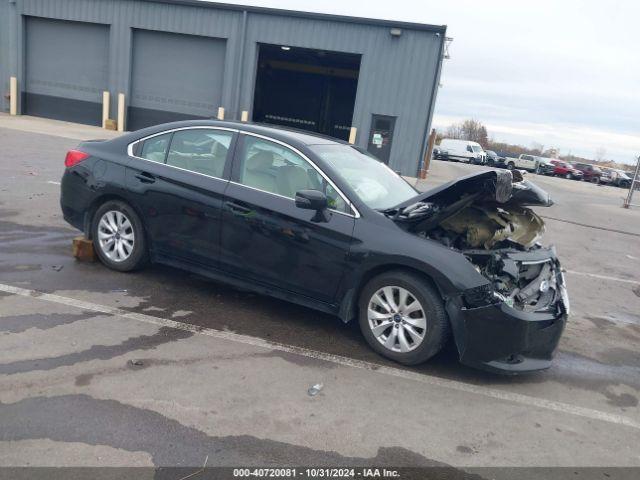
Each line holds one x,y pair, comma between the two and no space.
529,162
469,153
266,239
178,179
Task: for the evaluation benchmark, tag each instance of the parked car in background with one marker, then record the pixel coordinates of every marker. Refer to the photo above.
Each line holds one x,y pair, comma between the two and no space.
463,151
590,173
528,162
606,177
619,178
316,221
566,170
545,167
495,160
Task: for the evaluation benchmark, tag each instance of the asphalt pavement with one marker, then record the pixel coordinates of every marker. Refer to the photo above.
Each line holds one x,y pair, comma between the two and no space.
165,368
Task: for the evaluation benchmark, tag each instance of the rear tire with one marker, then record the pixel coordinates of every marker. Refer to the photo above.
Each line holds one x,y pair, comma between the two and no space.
118,237
412,327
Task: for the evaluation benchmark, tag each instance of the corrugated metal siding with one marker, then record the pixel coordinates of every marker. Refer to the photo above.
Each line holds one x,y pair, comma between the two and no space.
4,54
397,75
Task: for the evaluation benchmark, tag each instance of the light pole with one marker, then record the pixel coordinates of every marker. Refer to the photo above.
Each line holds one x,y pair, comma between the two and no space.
635,181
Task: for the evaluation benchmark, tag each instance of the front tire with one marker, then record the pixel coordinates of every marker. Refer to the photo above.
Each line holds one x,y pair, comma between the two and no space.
402,317
118,237
511,166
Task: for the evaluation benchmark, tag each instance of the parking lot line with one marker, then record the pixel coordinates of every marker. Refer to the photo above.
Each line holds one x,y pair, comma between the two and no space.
336,359
603,277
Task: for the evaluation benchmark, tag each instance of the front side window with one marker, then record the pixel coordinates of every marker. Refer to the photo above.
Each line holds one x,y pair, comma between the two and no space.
202,151
155,148
375,184
274,168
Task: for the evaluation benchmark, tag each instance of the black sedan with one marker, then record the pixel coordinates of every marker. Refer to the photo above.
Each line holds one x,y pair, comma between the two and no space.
321,223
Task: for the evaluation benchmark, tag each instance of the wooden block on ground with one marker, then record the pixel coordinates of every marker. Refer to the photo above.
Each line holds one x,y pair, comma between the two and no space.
83,250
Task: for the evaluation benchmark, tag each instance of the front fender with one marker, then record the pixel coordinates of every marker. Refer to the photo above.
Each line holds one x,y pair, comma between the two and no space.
373,254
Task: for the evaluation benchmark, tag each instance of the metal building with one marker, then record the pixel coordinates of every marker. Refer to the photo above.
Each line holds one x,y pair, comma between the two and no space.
372,80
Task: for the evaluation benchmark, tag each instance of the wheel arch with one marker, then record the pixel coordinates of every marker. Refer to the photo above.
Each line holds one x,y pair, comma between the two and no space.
101,200
348,309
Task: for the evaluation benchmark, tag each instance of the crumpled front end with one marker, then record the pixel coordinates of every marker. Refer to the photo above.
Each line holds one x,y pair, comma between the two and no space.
514,325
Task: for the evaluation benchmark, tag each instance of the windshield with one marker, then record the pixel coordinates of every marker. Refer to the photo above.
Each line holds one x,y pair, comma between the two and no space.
375,184
476,148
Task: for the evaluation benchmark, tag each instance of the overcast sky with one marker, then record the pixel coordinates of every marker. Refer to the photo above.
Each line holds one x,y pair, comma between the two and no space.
562,73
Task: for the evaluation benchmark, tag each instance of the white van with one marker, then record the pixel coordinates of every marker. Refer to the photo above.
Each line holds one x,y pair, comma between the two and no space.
462,150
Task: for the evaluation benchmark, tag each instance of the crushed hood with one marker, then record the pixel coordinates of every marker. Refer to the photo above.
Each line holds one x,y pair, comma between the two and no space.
481,210
501,186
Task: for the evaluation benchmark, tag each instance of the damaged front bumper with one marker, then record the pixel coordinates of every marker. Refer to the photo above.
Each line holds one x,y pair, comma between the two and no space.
502,339
508,339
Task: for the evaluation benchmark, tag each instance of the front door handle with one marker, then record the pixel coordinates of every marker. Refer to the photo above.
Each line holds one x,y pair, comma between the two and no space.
145,177
238,208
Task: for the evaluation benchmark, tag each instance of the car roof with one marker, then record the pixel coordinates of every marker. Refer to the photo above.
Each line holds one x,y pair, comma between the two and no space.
293,137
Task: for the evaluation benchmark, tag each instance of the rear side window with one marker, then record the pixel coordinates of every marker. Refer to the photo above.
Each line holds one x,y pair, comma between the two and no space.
202,151
155,148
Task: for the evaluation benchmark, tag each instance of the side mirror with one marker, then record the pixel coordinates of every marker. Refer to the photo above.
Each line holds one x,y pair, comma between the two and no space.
314,200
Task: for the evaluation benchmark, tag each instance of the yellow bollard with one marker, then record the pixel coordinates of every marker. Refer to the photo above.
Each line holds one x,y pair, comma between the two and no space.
121,112
13,96
352,135
105,108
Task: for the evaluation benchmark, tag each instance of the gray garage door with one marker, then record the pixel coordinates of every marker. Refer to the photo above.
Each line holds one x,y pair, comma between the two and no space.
174,77
66,69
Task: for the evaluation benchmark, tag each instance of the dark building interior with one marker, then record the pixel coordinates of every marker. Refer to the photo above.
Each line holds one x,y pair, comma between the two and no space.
308,89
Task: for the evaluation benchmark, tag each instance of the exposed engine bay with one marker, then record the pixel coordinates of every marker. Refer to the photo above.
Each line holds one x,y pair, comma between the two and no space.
486,218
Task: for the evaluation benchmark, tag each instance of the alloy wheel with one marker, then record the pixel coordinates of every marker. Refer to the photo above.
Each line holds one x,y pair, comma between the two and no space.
397,319
115,236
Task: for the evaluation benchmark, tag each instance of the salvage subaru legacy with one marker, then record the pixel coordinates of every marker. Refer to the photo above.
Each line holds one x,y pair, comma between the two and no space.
319,222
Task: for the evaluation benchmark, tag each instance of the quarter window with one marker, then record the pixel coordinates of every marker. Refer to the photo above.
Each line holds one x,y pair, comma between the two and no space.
155,148
273,168
202,151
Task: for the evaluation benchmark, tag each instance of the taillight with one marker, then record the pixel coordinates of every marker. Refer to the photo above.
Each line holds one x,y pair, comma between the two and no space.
74,157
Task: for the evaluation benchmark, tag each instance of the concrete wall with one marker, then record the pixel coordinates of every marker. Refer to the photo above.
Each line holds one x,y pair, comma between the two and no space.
398,76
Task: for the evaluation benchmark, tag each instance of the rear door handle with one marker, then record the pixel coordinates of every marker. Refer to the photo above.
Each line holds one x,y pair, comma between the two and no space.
238,208
145,177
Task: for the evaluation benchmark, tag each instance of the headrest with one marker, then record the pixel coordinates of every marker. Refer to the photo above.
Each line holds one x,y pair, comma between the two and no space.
262,160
